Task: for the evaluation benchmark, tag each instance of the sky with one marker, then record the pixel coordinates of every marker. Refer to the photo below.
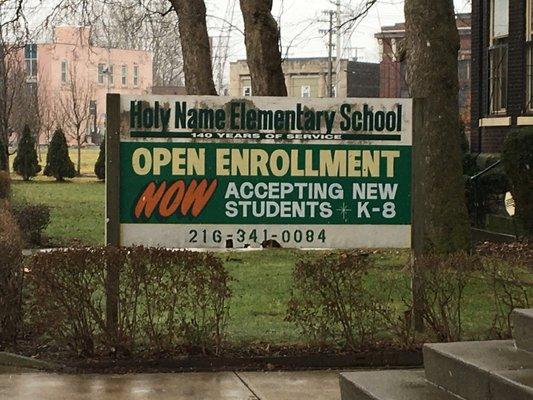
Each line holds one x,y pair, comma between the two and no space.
300,26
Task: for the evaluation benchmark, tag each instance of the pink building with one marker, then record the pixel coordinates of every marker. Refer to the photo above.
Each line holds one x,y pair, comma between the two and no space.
73,77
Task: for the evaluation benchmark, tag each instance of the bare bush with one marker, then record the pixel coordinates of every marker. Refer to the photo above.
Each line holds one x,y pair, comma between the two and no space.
511,284
330,303
167,299
445,280
11,277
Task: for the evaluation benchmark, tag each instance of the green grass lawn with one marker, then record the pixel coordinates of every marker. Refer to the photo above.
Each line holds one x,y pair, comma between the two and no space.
261,291
76,208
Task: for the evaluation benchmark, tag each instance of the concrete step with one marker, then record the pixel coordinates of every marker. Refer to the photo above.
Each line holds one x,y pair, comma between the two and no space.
523,329
494,370
390,385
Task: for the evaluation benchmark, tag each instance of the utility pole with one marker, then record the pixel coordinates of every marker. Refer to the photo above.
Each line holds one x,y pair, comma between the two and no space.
329,32
338,47
330,56
335,25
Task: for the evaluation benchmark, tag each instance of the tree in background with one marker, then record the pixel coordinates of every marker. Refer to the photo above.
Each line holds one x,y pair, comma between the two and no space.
143,25
99,167
26,163
262,48
73,105
195,46
58,162
13,89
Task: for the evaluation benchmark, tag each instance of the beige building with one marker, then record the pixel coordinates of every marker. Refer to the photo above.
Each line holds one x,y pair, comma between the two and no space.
308,77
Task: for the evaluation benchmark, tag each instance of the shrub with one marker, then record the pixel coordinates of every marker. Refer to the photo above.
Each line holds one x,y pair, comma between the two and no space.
445,278
167,299
5,185
517,157
174,298
58,163
511,283
99,167
26,163
67,303
10,277
329,301
32,220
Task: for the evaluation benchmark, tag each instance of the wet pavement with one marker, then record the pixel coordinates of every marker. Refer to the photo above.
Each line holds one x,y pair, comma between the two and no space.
18,385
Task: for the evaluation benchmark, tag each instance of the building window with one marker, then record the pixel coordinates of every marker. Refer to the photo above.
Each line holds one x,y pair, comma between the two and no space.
499,31
30,56
499,10
124,75
247,91
101,73
111,75
306,91
529,55
529,21
64,71
529,76
498,79
135,75
394,49
464,71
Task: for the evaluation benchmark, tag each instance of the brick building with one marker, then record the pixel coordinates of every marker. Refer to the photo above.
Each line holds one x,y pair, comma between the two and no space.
308,77
393,66
502,71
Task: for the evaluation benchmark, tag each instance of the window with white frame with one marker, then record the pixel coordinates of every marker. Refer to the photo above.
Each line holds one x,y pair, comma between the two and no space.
135,75
124,75
529,20
247,91
498,57
30,56
529,76
305,91
529,55
101,73
499,21
111,75
64,71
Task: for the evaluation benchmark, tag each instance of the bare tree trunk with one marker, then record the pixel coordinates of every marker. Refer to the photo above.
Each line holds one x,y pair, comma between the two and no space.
262,48
195,46
4,139
432,49
432,42
79,154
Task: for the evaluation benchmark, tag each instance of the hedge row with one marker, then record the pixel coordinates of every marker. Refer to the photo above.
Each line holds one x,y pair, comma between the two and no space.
178,300
167,299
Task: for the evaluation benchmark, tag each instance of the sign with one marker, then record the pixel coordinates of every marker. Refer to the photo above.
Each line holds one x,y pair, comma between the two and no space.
196,172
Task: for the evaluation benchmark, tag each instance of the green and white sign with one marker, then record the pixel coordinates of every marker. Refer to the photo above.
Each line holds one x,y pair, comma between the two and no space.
195,172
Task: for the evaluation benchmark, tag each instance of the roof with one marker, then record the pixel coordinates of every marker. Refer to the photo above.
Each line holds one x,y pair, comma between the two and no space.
296,59
464,22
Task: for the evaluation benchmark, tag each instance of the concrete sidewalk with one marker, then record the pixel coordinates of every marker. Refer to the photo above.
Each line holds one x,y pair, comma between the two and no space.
18,385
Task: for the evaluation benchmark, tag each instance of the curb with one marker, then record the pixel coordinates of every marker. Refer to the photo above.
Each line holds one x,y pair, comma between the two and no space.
18,361
387,359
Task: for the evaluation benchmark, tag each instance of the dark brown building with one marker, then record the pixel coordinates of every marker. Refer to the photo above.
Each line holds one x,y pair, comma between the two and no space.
502,71
393,66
